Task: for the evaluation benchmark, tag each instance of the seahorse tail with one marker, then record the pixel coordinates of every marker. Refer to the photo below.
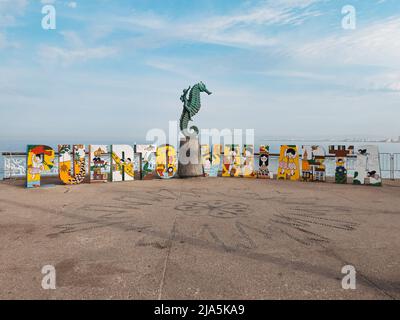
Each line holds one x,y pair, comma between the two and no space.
184,121
195,129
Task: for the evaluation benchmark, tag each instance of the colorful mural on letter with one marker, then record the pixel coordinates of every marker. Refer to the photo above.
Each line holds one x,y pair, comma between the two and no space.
122,163
39,159
368,168
148,160
263,163
289,168
137,166
216,160
341,153
166,161
232,159
206,159
313,164
99,163
247,168
66,161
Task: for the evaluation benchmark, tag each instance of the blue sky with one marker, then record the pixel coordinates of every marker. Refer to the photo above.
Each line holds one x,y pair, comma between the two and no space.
116,69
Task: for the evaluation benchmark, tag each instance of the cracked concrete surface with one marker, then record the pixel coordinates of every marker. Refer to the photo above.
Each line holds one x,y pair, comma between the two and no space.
224,238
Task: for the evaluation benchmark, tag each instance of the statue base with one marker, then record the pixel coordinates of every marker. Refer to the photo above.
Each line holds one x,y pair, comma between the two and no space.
190,158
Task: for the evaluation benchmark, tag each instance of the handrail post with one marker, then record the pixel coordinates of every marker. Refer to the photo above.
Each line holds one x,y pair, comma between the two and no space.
392,166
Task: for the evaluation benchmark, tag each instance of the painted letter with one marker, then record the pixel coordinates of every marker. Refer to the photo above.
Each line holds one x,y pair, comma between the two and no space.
148,161
313,163
248,170
206,159
231,165
99,163
39,159
216,160
341,153
368,168
166,161
289,163
122,163
263,163
68,176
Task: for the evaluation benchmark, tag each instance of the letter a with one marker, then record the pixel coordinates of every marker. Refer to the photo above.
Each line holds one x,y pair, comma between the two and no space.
349,280
349,20
49,280
49,20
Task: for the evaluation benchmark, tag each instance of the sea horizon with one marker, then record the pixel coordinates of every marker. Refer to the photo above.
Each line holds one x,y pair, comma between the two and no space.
274,143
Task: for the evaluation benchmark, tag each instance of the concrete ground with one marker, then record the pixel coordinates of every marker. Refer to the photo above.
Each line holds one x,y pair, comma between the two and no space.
205,238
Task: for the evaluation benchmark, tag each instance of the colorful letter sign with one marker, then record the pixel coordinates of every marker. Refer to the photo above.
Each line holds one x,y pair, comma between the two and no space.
148,160
263,163
99,163
313,163
216,160
67,175
39,159
206,159
289,163
211,159
248,169
341,153
122,163
368,169
166,162
232,159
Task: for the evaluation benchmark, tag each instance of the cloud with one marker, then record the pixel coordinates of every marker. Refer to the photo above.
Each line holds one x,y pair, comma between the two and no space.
319,75
5,43
375,45
74,51
9,10
170,67
246,27
395,86
13,6
69,4
384,82
66,57
72,38
72,5
305,75
277,12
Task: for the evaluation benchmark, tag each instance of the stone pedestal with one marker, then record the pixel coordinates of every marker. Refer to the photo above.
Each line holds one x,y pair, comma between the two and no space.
190,158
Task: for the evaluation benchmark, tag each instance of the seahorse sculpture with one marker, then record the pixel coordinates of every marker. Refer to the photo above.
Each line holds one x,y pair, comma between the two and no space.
191,106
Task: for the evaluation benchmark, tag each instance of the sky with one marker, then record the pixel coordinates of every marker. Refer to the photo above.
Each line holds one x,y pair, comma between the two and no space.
114,69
